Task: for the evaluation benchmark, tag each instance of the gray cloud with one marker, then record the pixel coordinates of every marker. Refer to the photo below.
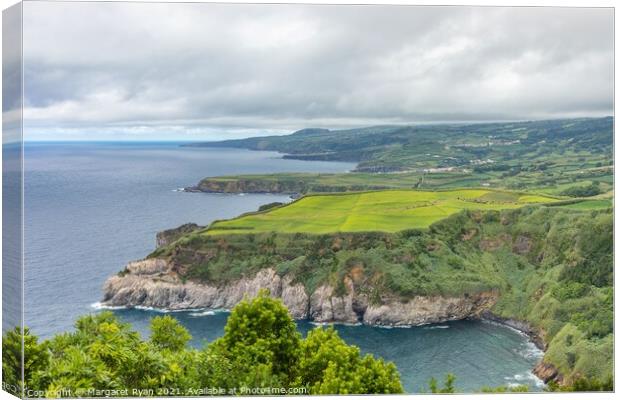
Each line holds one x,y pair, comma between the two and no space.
191,71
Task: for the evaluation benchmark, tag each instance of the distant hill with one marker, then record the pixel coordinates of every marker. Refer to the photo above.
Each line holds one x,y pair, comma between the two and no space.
399,148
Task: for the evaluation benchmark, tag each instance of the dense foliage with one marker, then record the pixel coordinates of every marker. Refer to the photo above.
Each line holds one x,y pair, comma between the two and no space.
261,352
592,189
585,385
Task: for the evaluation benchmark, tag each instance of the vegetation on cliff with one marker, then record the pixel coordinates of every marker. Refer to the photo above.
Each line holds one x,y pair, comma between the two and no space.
552,267
261,352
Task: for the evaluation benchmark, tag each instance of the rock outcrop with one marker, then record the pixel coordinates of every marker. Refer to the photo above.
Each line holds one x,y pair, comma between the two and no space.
242,185
154,283
168,236
547,372
429,309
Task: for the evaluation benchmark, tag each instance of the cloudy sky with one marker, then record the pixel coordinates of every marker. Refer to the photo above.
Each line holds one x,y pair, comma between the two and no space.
204,71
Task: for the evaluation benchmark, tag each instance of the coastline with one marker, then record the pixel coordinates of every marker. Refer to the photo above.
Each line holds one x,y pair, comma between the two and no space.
544,371
152,285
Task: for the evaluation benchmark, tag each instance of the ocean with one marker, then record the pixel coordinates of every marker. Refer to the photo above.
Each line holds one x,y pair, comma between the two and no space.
90,208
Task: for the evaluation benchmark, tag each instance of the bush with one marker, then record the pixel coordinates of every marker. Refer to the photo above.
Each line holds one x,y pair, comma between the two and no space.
582,191
168,334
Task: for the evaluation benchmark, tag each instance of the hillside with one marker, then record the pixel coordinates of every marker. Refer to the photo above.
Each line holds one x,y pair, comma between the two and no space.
550,156
406,147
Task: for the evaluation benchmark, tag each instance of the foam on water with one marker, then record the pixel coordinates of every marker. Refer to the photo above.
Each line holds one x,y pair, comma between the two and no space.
437,327
202,313
99,306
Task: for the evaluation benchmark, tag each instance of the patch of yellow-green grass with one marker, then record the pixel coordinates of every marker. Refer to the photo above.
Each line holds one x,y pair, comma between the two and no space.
533,198
387,211
589,205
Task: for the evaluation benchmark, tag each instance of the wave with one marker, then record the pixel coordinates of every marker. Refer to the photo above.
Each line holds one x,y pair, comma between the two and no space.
191,311
194,312
503,325
393,326
203,313
525,378
531,352
99,306
315,323
437,327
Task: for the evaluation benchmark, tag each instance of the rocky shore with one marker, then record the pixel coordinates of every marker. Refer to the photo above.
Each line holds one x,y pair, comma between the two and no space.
545,371
155,283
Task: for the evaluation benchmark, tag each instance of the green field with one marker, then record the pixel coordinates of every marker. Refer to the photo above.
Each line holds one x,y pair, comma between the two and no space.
590,205
386,211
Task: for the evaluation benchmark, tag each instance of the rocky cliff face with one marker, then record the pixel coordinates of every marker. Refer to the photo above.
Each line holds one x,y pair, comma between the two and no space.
548,372
168,236
154,283
248,186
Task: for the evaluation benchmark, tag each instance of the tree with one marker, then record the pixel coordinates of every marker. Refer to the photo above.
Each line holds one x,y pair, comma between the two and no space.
329,366
448,385
583,191
505,389
35,359
105,354
261,332
168,334
263,348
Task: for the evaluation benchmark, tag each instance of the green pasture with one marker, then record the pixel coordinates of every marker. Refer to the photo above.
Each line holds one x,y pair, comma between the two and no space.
386,211
590,205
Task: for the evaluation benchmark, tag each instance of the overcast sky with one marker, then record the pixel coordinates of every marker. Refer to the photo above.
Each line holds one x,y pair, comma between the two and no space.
204,71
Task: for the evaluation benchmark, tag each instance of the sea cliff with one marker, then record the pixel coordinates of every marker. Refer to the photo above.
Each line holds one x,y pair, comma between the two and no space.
154,283
242,185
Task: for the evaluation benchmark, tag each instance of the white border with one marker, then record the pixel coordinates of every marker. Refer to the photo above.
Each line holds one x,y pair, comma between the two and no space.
558,3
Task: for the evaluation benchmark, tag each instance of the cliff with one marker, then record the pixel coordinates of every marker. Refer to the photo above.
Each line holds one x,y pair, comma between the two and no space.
242,185
164,238
296,183
154,283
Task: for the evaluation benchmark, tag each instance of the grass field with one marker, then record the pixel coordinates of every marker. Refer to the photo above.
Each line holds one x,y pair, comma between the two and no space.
590,205
387,211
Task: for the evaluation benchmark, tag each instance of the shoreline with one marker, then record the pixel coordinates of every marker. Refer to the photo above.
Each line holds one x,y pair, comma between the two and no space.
544,372
518,325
